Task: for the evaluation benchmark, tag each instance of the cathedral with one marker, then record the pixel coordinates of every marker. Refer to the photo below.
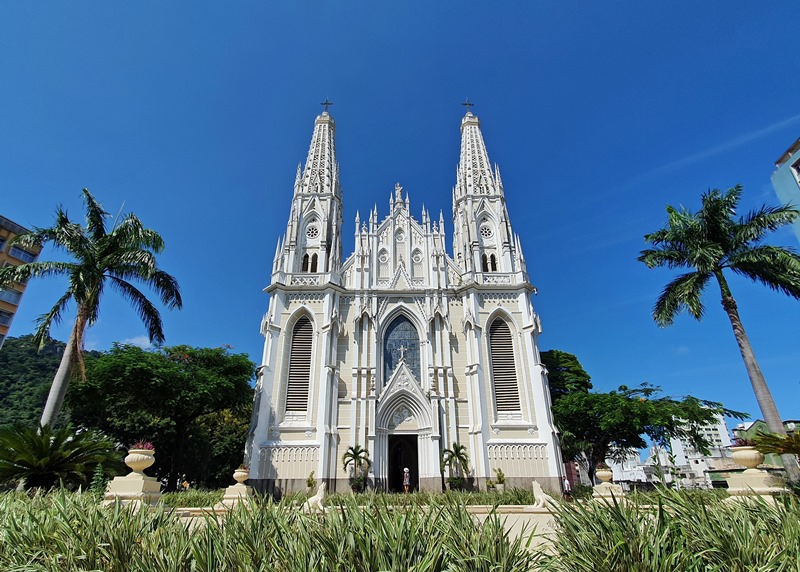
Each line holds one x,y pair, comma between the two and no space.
401,348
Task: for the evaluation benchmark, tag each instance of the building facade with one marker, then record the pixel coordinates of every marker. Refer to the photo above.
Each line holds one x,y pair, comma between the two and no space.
786,180
401,348
11,254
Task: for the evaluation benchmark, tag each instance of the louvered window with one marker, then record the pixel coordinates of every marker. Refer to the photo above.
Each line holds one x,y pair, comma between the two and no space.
299,366
504,371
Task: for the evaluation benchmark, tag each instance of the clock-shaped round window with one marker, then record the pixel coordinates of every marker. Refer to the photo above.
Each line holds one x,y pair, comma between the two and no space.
417,257
383,257
400,236
486,231
312,232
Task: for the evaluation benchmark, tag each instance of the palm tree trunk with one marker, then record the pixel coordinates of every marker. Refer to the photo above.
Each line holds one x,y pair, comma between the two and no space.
55,399
763,395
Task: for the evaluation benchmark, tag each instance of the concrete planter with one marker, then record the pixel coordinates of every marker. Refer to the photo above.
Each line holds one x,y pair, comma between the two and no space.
747,456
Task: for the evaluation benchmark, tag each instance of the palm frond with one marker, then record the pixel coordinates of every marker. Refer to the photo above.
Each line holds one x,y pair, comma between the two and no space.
131,233
95,216
758,223
145,309
45,321
773,266
682,293
672,258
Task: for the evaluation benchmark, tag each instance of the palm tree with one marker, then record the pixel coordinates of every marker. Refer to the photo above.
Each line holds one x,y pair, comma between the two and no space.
457,459
709,242
101,258
43,457
359,458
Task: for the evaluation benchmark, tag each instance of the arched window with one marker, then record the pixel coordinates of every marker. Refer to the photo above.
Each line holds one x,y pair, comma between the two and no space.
484,263
401,338
299,366
493,261
314,262
305,263
504,371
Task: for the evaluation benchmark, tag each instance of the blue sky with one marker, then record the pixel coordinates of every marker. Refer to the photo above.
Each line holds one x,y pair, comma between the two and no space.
194,116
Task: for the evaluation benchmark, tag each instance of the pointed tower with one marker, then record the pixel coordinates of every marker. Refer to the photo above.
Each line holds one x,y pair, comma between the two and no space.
483,242
312,243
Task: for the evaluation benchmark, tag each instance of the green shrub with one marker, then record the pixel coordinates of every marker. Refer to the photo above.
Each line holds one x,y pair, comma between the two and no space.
193,498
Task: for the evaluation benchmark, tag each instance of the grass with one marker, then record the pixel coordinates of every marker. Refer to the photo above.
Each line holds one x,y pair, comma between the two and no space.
669,531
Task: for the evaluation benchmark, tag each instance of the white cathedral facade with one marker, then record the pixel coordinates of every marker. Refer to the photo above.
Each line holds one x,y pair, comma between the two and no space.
401,348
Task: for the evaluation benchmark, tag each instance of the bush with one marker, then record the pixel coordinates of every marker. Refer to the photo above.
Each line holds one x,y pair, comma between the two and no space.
193,498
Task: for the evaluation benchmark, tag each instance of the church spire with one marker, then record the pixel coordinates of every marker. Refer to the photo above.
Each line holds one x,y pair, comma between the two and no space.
483,240
313,234
474,175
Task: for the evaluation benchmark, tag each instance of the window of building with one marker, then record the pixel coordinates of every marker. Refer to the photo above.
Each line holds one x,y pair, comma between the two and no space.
2,243
314,262
312,232
22,254
11,296
493,263
401,340
504,371
305,263
299,365
5,318
484,263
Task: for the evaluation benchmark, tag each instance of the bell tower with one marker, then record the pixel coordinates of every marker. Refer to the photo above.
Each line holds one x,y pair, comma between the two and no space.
312,243
483,241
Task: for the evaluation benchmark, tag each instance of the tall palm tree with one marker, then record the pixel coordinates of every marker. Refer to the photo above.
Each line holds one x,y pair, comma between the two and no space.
101,258
712,242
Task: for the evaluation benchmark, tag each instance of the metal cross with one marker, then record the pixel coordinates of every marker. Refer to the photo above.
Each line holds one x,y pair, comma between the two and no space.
402,351
467,104
327,104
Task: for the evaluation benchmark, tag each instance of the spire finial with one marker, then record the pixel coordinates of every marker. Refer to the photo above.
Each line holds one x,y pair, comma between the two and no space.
467,104
398,191
327,103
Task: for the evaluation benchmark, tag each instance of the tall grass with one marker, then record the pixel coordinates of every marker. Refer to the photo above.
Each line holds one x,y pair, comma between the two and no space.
686,532
68,532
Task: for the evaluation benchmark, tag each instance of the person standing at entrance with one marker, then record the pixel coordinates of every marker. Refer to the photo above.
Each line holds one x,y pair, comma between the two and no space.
567,489
406,479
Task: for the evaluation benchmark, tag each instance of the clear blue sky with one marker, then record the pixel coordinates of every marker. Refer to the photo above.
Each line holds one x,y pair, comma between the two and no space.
195,116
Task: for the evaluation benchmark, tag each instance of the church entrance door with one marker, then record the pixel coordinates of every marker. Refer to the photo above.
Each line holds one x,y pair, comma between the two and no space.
403,454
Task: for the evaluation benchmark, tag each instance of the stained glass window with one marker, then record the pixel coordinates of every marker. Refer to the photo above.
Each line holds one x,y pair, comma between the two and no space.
401,333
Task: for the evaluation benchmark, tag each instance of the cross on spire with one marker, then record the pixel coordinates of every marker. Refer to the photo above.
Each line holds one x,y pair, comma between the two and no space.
467,104
327,104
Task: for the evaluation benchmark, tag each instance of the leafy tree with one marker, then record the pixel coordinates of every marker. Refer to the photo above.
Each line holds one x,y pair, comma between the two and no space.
43,457
457,459
595,426
565,374
175,397
712,242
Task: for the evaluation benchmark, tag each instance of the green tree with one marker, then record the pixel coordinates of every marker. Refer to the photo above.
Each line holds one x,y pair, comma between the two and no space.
565,374
175,397
44,457
595,426
712,242
101,258
358,457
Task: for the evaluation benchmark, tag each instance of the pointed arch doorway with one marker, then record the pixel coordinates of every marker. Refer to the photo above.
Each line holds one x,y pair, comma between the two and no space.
403,453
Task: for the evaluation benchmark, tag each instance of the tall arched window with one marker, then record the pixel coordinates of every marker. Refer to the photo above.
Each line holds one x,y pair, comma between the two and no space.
484,263
493,261
314,262
504,371
299,376
401,338
305,263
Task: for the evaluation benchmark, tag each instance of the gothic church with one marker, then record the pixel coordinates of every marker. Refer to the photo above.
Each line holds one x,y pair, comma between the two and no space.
400,348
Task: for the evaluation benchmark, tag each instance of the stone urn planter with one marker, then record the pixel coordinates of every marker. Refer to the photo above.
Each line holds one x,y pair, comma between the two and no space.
140,459
240,475
605,475
500,487
747,456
